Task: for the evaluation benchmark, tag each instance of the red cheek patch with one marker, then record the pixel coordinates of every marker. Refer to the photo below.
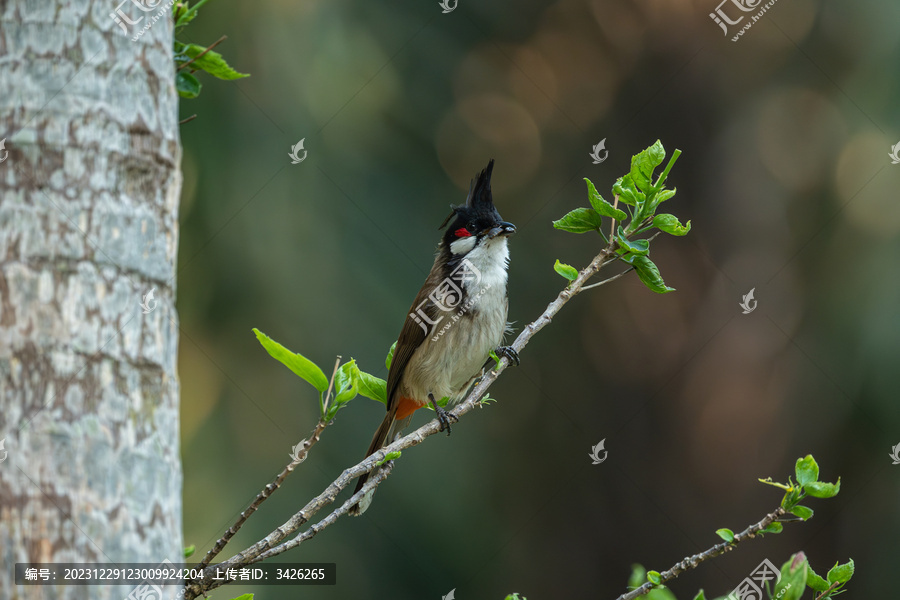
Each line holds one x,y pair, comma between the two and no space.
462,232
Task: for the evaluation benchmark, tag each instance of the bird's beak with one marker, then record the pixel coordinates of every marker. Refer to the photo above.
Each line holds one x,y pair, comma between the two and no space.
502,228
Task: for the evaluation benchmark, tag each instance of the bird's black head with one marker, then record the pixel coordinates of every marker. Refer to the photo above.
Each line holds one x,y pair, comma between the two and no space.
477,221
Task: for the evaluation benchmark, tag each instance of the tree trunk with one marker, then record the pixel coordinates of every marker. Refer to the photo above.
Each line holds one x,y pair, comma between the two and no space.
89,193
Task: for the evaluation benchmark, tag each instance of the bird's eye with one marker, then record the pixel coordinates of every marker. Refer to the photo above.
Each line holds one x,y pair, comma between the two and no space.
472,227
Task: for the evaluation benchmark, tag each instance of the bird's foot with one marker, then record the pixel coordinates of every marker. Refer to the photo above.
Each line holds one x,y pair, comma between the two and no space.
509,353
444,417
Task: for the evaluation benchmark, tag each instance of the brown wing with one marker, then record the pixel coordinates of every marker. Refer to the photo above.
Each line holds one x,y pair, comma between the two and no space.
411,336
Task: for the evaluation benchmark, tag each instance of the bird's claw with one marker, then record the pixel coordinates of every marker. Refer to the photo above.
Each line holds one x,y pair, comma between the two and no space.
444,418
509,353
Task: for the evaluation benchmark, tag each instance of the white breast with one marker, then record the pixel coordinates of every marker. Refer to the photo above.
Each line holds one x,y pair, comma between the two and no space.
454,352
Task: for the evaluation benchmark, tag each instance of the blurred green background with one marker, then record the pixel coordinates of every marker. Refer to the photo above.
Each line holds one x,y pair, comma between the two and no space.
785,176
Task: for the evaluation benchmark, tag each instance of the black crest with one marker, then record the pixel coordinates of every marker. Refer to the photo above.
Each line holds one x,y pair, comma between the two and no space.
479,208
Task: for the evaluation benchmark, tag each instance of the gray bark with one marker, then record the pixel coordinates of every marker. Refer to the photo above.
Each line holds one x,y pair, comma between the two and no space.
88,225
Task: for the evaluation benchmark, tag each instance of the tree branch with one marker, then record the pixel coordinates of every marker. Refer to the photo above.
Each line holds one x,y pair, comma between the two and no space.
271,544
299,457
206,584
691,562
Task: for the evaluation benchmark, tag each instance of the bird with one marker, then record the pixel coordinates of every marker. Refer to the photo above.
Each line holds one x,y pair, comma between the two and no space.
456,320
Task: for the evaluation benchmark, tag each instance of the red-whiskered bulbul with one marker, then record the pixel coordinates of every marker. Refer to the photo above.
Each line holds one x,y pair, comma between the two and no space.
456,320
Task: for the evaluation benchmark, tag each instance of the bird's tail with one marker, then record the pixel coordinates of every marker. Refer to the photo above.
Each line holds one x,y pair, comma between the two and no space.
385,434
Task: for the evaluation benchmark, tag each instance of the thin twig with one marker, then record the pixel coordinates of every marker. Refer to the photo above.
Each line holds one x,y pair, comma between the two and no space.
299,457
605,281
691,562
211,46
337,363
188,120
830,587
612,225
370,484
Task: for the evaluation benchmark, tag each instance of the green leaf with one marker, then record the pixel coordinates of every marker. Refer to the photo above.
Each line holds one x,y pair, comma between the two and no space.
820,489
372,387
389,456
644,163
793,578
580,220
802,512
649,274
603,207
187,85
841,573
567,271
662,196
670,224
815,581
792,496
653,577
660,593
640,247
187,13
774,527
653,156
442,403
768,481
486,399
638,576
211,62
725,534
185,18
700,596
493,355
190,550
244,597
515,597
626,191
299,364
390,357
345,388
807,470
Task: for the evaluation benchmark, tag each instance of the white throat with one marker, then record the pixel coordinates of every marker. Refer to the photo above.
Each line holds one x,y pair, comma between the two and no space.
490,259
